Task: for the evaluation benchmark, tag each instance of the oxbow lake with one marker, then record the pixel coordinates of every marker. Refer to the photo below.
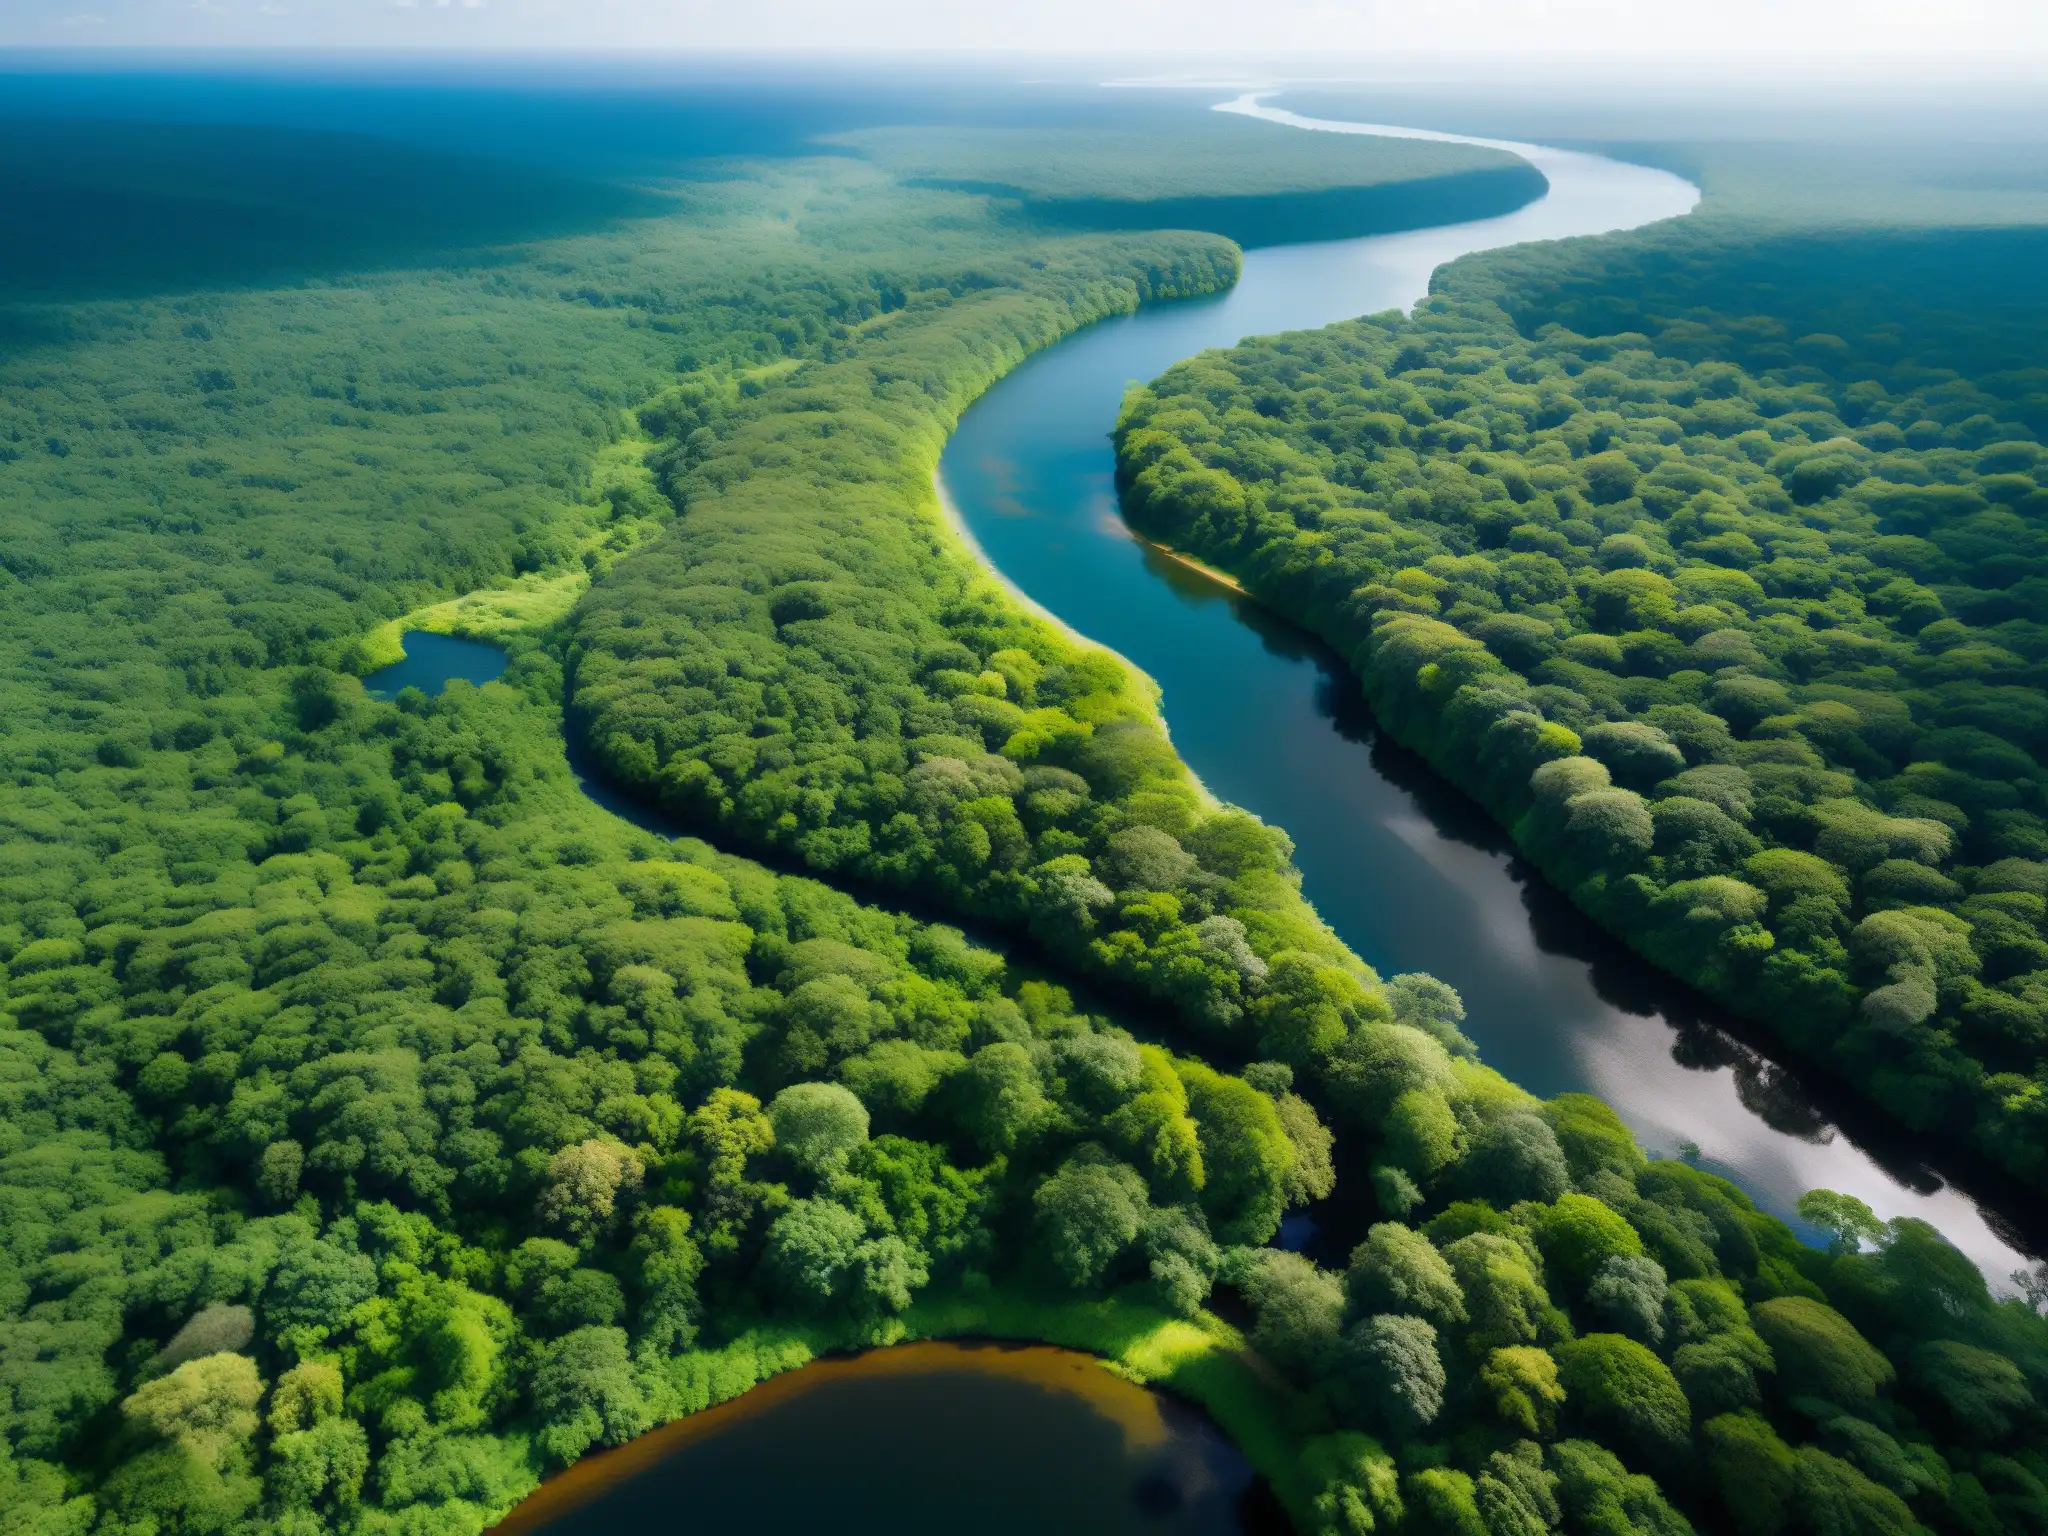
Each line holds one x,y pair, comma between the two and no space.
921,1440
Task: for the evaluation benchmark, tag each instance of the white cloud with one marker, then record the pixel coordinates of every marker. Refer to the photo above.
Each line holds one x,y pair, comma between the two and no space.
1910,32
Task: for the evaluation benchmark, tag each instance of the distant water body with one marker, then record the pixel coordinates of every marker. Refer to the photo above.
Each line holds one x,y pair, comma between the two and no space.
1412,875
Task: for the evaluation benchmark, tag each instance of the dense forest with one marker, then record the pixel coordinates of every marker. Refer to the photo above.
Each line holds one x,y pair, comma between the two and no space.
1708,564
1254,182
384,1125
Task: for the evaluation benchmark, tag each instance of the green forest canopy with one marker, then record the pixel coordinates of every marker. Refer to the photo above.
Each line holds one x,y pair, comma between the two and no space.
1710,574
383,1124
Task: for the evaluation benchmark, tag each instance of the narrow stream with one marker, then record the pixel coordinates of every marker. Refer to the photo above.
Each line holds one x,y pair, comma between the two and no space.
1412,876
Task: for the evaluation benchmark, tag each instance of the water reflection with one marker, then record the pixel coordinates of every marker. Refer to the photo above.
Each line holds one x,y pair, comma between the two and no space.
1413,876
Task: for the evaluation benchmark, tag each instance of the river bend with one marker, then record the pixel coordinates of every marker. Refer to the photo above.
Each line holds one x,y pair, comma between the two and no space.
1412,876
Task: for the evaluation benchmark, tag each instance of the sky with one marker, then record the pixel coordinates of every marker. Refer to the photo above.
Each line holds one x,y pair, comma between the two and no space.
1905,34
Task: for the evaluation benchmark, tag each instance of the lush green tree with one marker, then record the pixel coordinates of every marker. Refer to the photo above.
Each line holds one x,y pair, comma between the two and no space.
206,1407
1399,1270
586,1394
1247,1156
1617,1385
1300,1313
819,1125
1390,1365
1522,1385
1087,1215
1819,1353
1580,1235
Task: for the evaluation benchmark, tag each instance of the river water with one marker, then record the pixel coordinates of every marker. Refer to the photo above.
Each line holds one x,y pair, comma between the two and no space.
1410,874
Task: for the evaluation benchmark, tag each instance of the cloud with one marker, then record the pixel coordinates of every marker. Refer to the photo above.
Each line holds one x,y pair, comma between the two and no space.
1910,33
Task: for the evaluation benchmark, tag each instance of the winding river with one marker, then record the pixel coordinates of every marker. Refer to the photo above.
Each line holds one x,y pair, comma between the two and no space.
1411,875
942,1438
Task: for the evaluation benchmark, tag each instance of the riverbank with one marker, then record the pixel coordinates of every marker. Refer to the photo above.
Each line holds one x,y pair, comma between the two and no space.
1403,871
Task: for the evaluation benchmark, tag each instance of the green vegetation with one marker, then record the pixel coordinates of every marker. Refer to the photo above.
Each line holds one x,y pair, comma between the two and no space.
1254,182
383,1124
1708,566
1570,1337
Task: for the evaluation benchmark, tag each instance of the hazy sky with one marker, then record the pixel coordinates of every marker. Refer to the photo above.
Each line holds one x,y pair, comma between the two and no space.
1908,32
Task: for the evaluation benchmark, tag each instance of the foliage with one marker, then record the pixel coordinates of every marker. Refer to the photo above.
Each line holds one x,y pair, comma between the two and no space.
352,1048
1714,579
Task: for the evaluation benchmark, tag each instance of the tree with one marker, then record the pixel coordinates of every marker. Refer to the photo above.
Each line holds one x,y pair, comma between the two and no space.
819,1125
586,1184
811,1253
1819,1353
206,1407
1398,1270
1001,1101
316,1285
729,1130
586,1394
1521,1382
1503,1297
1628,1294
1597,1493
1849,1223
1422,1134
1830,1496
213,1330
1246,1154
669,1262
1516,1493
1312,1175
1155,1132
1389,1365
1086,1216
1579,1235
1983,1395
307,1394
1751,1470
1300,1311
1516,1157
1593,1137
320,1468
1620,1388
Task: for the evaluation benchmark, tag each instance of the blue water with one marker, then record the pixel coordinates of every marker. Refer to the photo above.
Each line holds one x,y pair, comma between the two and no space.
1410,874
432,662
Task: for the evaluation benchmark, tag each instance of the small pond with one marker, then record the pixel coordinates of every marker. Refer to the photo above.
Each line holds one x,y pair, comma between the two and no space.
432,662
945,1439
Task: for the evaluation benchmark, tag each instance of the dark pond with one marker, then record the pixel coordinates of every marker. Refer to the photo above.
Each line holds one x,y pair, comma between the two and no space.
432,662
942,1439
1412,876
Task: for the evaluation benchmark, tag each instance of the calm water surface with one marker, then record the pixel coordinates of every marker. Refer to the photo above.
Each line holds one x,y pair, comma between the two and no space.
921,1440
432,662
1411,875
